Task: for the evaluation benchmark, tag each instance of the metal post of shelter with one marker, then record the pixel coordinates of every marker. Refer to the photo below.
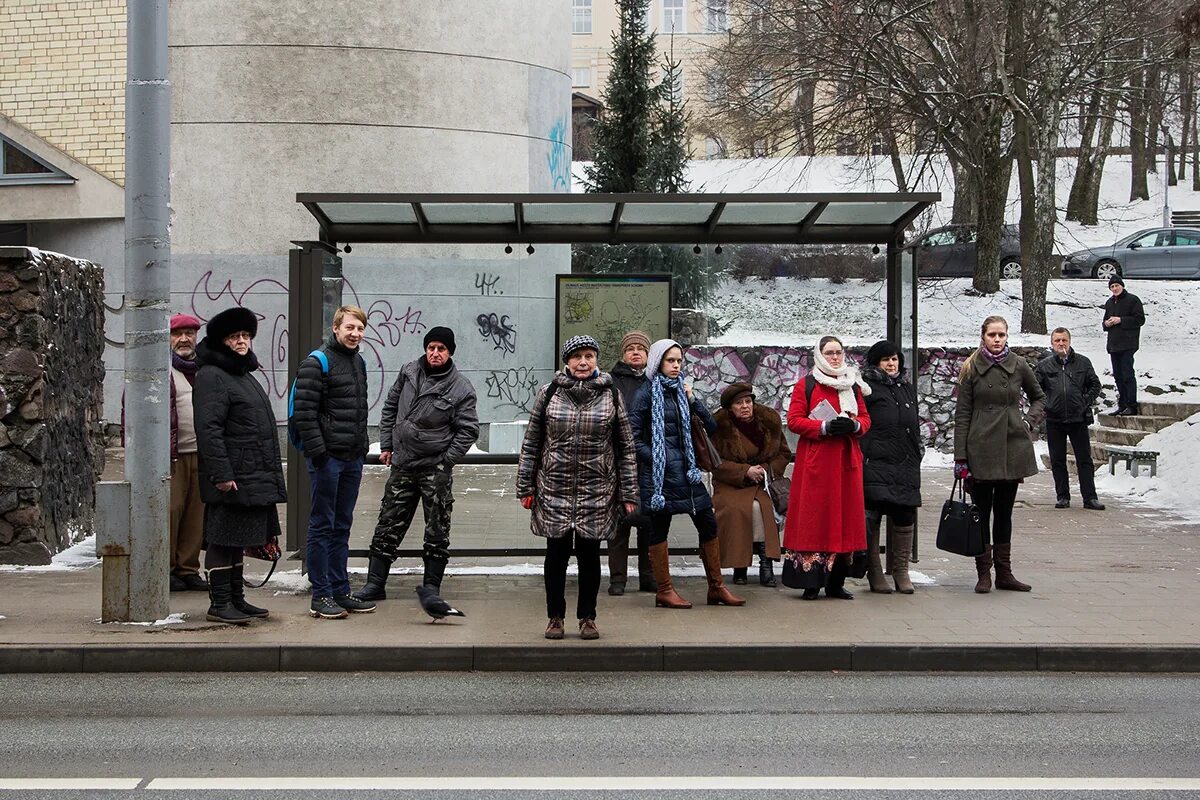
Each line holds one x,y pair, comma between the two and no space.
314,294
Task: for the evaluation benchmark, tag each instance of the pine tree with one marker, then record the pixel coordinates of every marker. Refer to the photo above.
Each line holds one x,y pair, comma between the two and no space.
668,150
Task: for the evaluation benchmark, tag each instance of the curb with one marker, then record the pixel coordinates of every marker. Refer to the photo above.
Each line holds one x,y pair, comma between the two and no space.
572,657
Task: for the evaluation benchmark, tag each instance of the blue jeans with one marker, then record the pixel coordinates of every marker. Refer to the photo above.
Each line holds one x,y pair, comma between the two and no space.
334,493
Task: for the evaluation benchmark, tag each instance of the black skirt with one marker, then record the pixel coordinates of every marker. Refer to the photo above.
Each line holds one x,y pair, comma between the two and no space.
240,526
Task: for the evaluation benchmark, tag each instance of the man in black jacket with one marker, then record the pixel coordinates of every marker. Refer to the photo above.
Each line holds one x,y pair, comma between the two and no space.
330,415
428,424
629,375
1123,319
1071,387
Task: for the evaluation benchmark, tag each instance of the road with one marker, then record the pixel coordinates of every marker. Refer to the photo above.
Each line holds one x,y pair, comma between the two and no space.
726,735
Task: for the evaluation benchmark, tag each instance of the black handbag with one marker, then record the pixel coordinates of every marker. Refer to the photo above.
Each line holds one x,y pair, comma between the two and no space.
799,575
707,457
778,489
960,529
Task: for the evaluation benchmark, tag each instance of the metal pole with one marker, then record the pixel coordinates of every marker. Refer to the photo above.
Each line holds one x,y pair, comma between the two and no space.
147,298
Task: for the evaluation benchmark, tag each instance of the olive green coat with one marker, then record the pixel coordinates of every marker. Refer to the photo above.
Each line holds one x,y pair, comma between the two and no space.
990,432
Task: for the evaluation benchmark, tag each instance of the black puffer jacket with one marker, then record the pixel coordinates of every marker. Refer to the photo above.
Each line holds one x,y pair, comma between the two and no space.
330,411
1125,335
892,448
682,497
1070,388
235,430
628,382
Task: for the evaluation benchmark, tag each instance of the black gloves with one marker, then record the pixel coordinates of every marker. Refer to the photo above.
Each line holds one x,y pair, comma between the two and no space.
320,461
840,426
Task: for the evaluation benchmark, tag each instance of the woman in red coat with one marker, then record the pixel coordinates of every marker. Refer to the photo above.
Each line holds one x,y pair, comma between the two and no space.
825,519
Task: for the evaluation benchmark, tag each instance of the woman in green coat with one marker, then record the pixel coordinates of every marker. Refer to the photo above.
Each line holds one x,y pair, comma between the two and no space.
993,444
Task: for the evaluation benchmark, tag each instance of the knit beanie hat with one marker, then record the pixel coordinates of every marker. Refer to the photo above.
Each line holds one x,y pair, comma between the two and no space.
733,391
657,351
230,321
582,342
1115,279
181,321
634,337
441,334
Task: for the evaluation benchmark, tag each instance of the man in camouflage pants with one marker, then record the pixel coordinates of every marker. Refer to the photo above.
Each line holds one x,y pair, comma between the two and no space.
427,425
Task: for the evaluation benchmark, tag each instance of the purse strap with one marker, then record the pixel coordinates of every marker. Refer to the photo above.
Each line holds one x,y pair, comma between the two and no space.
270,572
960,488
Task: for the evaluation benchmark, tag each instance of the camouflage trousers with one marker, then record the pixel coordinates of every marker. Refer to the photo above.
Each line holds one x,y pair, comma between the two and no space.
433,488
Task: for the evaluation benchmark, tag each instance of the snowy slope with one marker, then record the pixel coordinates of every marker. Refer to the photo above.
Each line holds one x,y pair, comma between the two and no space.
1174,487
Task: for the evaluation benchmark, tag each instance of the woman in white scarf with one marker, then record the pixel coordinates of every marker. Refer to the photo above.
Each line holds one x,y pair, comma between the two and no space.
826,520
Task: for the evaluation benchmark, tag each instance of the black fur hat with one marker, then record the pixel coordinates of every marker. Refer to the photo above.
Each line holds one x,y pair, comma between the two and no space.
881,350
232,320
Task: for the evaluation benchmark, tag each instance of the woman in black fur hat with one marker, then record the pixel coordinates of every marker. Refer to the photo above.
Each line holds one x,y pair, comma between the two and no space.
241,472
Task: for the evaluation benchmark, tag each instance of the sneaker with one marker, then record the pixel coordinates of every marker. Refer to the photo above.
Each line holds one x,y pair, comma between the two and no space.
326,608
353,604
555,629
194,583
588,629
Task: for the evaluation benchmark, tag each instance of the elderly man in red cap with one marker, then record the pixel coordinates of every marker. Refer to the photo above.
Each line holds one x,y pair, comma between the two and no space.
187,512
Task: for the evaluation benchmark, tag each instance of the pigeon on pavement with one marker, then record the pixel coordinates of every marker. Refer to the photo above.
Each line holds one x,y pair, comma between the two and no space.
434,605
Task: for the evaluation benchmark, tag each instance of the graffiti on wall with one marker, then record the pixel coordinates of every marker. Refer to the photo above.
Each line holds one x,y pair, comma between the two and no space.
558,159
497,330
513,388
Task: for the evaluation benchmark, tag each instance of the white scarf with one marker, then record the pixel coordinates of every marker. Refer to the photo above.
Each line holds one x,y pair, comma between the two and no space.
842,379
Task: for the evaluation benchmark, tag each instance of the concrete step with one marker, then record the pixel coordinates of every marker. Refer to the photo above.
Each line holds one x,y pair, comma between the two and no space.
1101,434
1099,459
1141,422
1166,408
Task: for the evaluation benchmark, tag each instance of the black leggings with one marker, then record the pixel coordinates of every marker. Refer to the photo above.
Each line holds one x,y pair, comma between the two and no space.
660,525
995,500
219,556
558,554
899,515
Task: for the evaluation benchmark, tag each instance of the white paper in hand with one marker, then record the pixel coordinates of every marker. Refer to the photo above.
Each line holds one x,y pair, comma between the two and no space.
823,412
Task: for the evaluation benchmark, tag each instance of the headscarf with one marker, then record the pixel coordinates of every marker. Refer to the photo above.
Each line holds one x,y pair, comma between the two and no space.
842,379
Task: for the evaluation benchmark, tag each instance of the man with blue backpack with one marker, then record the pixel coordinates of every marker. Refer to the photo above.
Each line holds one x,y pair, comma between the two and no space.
328,422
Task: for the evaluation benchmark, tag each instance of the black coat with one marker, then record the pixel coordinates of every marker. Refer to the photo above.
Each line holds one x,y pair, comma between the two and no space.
682,497
236,434
892,448
1126,333
1070,388
628,382
330,411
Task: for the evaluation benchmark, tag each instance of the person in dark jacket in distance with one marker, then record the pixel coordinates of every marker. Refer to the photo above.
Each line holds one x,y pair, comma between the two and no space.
241,471
669,480
892,453
629,375
577,473
1123,319
428,424
330,414
1071,386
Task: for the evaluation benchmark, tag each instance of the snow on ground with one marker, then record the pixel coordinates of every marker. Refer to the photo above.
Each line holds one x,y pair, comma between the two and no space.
1174,488
80,556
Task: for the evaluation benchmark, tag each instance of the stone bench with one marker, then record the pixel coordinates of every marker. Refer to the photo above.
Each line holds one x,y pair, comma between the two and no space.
1133,458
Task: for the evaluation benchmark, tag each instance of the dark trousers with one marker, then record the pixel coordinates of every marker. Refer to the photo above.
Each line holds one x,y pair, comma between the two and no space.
995,501
660,525
618,546
334,494
558,555
1057,434
433,487
219,556
899,515
1122,367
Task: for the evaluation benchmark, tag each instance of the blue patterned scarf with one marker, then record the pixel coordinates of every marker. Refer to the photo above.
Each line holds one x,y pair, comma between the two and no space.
658,437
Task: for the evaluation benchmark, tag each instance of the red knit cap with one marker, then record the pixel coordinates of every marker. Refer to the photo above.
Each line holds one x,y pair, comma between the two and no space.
180,321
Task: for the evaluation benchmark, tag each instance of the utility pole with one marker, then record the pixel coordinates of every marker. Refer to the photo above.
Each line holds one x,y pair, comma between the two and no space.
135,568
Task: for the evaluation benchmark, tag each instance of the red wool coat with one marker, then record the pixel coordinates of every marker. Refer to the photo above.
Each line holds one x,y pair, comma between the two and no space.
825,508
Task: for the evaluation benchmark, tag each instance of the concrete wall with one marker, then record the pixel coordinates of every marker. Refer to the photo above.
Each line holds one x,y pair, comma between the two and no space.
277,97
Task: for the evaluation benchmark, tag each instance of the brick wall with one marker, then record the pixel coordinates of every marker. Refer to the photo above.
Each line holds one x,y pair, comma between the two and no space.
62,76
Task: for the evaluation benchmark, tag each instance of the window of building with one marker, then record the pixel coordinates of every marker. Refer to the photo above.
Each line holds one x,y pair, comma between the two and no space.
14,234
18,165
581,16
674,12
716,18
581,77
759,148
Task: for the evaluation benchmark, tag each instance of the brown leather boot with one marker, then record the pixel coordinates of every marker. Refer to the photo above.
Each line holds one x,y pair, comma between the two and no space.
874,566
902,537
983,566
718,595
665,596
1004,576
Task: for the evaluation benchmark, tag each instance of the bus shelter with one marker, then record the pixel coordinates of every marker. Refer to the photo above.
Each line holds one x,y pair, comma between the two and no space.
347,219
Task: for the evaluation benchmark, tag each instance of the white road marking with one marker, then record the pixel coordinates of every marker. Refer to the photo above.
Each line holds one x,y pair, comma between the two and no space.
677,783
68,784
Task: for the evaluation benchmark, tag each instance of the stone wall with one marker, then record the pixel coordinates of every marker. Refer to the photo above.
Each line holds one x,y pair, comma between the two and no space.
774,370
51,401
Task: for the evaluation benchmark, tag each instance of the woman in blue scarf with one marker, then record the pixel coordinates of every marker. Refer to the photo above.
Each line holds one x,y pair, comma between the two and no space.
670,482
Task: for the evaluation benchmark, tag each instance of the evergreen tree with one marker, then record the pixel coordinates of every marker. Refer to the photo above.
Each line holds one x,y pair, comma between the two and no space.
668,150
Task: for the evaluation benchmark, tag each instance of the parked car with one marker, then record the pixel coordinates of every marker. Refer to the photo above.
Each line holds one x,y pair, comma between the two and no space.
949,252
1152,253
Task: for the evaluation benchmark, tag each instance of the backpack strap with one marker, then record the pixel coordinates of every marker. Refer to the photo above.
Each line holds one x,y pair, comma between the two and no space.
810,383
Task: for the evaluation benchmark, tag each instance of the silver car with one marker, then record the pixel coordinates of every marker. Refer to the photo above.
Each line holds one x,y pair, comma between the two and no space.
1152,253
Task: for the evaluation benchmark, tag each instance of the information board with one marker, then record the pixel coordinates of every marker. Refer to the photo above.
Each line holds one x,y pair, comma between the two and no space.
609,306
